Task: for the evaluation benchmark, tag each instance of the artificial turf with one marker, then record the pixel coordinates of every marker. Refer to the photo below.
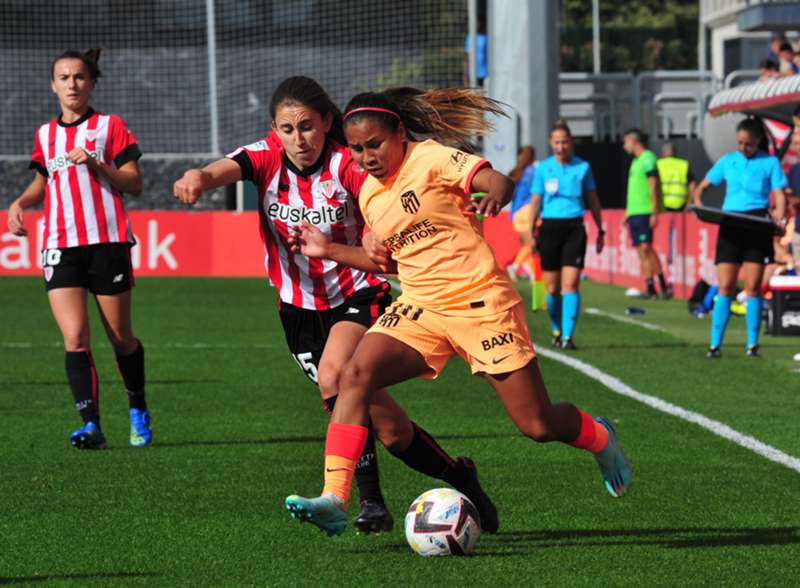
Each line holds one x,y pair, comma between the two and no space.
238,427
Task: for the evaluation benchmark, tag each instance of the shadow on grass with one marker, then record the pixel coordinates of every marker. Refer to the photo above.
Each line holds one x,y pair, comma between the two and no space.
63,383
233,442
4,581
290,440
29,383
679,538
513,543
184,381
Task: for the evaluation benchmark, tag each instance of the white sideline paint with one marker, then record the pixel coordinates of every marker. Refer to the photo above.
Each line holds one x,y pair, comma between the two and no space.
624,319
716,427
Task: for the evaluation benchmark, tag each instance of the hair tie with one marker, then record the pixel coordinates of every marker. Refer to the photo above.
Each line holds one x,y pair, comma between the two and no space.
371,109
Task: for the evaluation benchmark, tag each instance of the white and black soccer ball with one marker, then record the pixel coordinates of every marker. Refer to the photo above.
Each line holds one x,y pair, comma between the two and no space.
442,522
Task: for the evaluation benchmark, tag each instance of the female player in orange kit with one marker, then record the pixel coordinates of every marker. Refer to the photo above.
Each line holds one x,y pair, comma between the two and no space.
456,299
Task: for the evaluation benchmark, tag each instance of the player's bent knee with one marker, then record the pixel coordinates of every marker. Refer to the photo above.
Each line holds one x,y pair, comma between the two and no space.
328,381
353,379
538,430
76,342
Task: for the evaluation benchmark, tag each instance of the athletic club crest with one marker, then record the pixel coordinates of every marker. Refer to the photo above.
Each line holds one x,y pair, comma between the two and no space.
328,188
91,136
410,202
48,273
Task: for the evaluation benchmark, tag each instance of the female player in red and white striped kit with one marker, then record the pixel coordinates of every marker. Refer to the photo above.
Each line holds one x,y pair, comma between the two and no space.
84,162
304,173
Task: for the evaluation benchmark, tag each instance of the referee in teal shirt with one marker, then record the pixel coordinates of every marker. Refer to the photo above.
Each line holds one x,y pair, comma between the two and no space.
750,175
562,187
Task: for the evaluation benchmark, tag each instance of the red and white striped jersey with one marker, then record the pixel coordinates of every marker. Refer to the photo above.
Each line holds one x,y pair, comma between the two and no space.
324,197
80,206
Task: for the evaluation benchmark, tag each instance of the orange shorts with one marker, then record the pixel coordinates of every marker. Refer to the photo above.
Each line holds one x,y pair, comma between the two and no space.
492,344
522,221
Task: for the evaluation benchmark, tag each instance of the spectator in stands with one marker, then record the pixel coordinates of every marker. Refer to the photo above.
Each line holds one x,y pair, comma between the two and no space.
521,212
769,69
481,55
776,40
793,199
675,179
642,210
786,64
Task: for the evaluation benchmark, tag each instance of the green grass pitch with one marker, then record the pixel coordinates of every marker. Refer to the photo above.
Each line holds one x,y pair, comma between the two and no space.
238,427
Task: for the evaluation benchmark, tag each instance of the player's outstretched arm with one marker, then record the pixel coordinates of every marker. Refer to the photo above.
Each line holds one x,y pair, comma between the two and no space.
308,240
32,196
196,181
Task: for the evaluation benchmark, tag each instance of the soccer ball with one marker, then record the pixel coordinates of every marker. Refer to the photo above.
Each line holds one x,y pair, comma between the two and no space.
442,522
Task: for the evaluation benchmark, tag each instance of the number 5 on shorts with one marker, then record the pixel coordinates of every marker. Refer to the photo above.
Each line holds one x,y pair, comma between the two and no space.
306,363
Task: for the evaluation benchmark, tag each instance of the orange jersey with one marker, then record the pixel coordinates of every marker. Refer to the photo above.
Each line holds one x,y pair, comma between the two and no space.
420,214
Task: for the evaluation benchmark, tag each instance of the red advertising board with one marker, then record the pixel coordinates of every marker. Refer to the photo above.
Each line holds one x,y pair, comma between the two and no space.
168,244
228,244
684,245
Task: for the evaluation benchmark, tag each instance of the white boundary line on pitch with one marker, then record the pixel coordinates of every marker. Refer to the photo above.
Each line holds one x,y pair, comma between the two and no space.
716,427
624,319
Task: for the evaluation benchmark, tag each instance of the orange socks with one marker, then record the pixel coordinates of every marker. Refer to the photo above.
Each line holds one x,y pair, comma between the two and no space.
343,448
592,437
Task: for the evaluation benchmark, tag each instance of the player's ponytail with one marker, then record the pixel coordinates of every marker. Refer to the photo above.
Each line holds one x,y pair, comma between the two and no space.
449,115
89,59
301,90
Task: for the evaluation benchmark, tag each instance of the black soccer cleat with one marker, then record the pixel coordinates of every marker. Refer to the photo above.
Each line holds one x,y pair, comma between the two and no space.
568,344
714,353
465,479
667,294
752,351
556,338
373,517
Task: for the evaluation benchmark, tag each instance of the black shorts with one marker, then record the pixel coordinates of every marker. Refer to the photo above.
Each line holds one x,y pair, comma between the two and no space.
307,330
562,242
736,244
639,227
103,269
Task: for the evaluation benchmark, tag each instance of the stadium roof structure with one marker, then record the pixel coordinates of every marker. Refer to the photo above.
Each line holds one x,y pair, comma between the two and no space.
777,99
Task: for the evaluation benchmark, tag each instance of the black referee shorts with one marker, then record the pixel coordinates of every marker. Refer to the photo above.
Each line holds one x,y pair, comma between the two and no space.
307,330
562,242
737,244
103,269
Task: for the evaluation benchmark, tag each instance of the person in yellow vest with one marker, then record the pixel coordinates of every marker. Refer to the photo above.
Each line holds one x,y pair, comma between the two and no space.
676,183
675,178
